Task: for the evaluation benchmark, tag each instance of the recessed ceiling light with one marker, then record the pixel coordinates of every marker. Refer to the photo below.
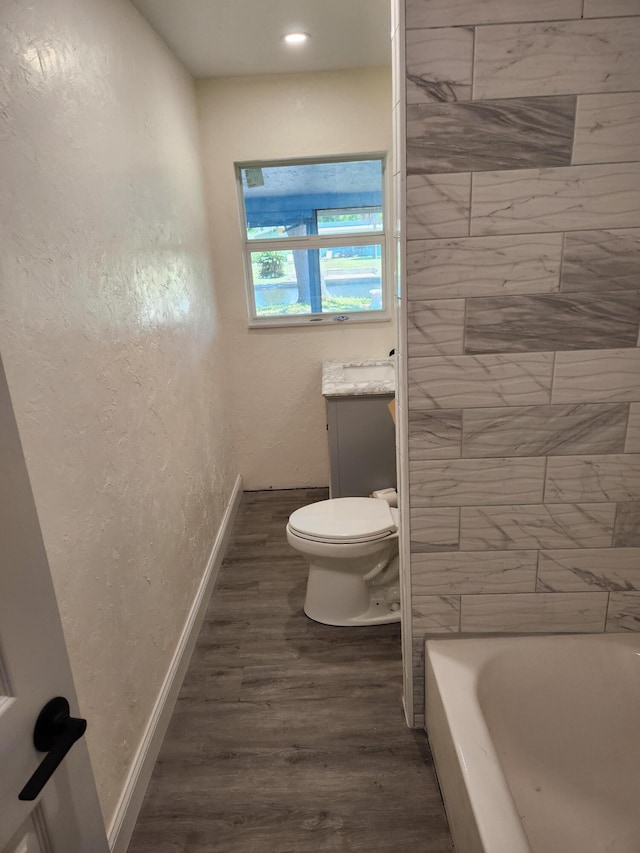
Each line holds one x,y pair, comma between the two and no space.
295,38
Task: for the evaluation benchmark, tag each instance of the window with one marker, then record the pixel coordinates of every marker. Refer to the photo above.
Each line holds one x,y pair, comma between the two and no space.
314,235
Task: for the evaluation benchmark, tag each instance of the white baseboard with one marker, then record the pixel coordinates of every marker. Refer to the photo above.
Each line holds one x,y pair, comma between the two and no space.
126,813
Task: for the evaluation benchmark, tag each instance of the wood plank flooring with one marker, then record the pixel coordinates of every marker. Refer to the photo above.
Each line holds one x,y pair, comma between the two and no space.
288,736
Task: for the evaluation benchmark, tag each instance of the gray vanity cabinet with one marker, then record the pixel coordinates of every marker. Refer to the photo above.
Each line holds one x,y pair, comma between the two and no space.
361,445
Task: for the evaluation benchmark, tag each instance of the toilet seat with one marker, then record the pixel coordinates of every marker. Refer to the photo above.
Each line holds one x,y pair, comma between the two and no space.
344,520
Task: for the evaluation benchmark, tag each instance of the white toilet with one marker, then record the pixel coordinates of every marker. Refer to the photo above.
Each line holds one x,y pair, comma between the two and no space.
351,545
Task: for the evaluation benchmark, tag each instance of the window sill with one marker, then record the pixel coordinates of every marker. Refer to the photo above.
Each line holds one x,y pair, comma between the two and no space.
325,320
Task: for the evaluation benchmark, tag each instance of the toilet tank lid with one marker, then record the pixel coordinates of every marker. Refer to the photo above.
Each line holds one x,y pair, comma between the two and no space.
344,519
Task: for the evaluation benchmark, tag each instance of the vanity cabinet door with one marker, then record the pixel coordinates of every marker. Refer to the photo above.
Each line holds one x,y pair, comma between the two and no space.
361,445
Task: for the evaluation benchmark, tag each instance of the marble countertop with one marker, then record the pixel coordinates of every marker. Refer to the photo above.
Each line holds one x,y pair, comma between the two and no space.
341,379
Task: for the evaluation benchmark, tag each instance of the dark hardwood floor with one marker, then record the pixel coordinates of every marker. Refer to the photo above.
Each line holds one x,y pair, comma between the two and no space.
288,736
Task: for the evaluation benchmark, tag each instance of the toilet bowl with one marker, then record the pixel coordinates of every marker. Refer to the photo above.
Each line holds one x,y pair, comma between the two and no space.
351,545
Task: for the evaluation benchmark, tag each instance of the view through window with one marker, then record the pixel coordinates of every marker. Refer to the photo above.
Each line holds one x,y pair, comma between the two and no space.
314,238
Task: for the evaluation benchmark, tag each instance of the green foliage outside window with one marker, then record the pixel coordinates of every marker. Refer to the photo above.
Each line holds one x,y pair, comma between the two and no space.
272,264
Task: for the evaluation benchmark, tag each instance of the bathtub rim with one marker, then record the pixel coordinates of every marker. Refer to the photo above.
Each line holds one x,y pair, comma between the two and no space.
475,792
437,738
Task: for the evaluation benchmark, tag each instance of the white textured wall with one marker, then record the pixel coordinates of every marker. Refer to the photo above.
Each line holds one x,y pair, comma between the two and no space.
278,411
110,334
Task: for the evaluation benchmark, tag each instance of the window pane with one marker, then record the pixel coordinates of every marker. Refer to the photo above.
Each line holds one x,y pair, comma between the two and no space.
298,200
361,220
335,280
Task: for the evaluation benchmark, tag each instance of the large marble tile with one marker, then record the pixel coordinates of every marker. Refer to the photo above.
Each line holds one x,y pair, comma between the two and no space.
435,433
537,526
610,8
607,128
582,569
435,614
545,430
438,206
483,266
632,444
515,60
627,529
569,198
555,321
518,133
623,613
601,260
435,327
605,375
470,482
439,65
449,382
593,478
473,572
534,612
434,529
443,13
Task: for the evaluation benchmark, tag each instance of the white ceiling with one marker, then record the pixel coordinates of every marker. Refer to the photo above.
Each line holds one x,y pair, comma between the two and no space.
222,38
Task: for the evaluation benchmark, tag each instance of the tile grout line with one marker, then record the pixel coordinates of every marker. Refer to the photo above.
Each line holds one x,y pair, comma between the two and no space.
473,86
473,64
574,132
553,376
543,498
626,432
509,23
615,522
606,612
561,268
532,234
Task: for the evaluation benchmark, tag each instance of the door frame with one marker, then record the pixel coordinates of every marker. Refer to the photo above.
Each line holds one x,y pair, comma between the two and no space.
36,666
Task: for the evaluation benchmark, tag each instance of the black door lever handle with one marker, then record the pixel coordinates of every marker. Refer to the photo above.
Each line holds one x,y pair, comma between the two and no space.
55,733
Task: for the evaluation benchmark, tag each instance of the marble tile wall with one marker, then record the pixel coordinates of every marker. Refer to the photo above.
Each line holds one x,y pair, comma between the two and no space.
521,292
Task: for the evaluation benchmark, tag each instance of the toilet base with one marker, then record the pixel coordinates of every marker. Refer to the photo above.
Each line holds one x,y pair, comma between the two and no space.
341,599
376,615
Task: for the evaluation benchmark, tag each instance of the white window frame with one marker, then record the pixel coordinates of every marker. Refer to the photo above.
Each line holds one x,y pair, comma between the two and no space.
318,242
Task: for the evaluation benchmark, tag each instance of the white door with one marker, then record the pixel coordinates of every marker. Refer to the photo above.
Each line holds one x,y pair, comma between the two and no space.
34,668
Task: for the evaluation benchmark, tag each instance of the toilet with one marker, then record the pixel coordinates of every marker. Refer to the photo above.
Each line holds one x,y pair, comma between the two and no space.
351,545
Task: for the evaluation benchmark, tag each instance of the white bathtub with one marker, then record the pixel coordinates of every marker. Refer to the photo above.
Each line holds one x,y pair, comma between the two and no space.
536,741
